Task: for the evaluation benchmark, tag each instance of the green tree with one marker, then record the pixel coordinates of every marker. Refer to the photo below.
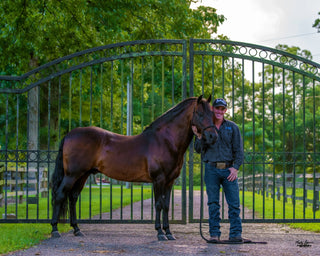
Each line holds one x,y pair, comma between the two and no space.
36,32
41,31
316,23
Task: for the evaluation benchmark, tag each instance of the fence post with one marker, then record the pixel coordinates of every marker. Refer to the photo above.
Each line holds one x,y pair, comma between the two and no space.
316,195
1,185
278,189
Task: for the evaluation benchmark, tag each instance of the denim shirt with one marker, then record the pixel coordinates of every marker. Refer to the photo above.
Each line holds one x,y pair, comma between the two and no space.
228,147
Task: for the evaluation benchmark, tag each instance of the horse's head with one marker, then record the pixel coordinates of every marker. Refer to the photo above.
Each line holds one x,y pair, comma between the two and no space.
203,120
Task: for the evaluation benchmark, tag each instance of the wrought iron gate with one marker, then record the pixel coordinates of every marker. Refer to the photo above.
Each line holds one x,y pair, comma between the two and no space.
273,97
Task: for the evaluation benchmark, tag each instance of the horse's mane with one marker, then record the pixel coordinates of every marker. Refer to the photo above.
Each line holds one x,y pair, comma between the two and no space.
171,113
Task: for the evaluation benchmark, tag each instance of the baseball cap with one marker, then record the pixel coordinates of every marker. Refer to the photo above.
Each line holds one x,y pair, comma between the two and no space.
219,103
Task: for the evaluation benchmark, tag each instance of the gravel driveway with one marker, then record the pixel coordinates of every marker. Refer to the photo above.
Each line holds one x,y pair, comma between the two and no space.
141,239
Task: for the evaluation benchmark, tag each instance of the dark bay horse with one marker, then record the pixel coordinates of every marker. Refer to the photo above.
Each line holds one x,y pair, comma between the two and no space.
154,156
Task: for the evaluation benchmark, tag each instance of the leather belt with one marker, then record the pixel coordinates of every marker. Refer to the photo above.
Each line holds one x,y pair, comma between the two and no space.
221,165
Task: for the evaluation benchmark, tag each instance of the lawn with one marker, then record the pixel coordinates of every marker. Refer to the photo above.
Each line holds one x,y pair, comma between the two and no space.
268,208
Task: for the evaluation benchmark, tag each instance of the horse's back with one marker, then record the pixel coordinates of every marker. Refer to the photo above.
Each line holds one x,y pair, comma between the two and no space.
117,156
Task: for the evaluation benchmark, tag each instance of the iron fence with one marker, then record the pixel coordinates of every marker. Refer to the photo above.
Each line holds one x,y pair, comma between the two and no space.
272,95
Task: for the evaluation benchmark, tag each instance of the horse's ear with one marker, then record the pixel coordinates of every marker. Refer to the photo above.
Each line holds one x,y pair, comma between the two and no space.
209,98
199,99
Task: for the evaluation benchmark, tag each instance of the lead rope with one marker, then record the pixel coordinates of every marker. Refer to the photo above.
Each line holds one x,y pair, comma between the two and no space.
201,206
201,200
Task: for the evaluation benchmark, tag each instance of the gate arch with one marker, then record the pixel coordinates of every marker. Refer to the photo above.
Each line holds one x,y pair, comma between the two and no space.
273,96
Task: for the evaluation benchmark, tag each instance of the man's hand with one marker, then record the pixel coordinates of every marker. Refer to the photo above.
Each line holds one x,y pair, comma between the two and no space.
233,174
195,131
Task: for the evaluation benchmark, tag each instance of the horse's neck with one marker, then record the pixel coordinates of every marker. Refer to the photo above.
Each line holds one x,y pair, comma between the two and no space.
180,130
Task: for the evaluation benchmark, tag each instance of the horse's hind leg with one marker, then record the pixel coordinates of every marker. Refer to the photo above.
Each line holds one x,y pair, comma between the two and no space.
54,220
73,197
60,203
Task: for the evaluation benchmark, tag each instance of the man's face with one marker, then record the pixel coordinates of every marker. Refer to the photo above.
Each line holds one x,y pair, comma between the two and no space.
219,112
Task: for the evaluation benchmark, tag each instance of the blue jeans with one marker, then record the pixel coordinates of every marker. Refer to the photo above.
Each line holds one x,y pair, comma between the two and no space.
214,178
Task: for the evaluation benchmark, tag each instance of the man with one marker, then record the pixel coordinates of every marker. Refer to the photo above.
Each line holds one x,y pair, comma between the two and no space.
222,162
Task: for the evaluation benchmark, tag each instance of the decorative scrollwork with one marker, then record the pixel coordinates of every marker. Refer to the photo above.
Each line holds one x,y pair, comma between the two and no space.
260,54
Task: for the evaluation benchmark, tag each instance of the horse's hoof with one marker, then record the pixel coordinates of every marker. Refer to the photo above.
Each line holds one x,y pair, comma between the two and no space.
170,237
55,234
162,238
78,233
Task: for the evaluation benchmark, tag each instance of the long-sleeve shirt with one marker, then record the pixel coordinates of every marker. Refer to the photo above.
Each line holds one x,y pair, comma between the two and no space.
227,148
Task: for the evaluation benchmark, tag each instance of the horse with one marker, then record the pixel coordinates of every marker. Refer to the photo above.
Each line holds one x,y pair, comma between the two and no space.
154,156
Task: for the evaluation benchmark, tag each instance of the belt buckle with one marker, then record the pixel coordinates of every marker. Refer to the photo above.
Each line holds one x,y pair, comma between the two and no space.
221,165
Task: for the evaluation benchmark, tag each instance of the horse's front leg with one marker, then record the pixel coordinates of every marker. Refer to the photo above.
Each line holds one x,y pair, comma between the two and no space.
73,215
73,198
165,213
159,205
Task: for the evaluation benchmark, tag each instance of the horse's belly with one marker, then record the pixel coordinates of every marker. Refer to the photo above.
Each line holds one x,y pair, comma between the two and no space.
126,169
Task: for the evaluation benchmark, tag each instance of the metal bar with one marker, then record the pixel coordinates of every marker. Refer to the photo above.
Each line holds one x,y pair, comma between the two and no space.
273,143
172,81
6,158
141,209
152,92
184,192
223,68
253,142
184,69
122,97
91,90
142,94
162,84
70,99
101,126
213,94
17,155
315,180
191,68
101,95
284,145
49,149
28,158
111,100
202,74
243,138
232,90
305,194
294,145
80,124
263,143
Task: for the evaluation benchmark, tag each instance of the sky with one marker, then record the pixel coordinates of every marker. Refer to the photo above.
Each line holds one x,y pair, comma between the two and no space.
270,22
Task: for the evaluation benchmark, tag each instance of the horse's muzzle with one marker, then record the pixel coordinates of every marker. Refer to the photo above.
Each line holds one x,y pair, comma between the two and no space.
210,137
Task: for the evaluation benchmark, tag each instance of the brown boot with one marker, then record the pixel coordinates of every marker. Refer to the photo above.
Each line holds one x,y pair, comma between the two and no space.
214,239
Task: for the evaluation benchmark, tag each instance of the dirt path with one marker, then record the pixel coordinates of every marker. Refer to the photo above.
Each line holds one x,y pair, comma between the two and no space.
140,239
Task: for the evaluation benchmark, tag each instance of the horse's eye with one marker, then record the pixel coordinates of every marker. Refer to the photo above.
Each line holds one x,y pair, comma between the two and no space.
200,114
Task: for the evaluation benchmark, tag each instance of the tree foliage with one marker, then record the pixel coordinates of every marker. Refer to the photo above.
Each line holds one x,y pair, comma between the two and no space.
44,30
316,23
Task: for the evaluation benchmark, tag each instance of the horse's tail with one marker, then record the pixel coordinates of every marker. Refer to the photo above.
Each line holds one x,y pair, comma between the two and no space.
56,180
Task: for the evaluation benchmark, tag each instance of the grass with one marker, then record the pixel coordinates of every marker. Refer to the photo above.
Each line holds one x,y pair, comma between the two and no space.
276,209
279,209
15,237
